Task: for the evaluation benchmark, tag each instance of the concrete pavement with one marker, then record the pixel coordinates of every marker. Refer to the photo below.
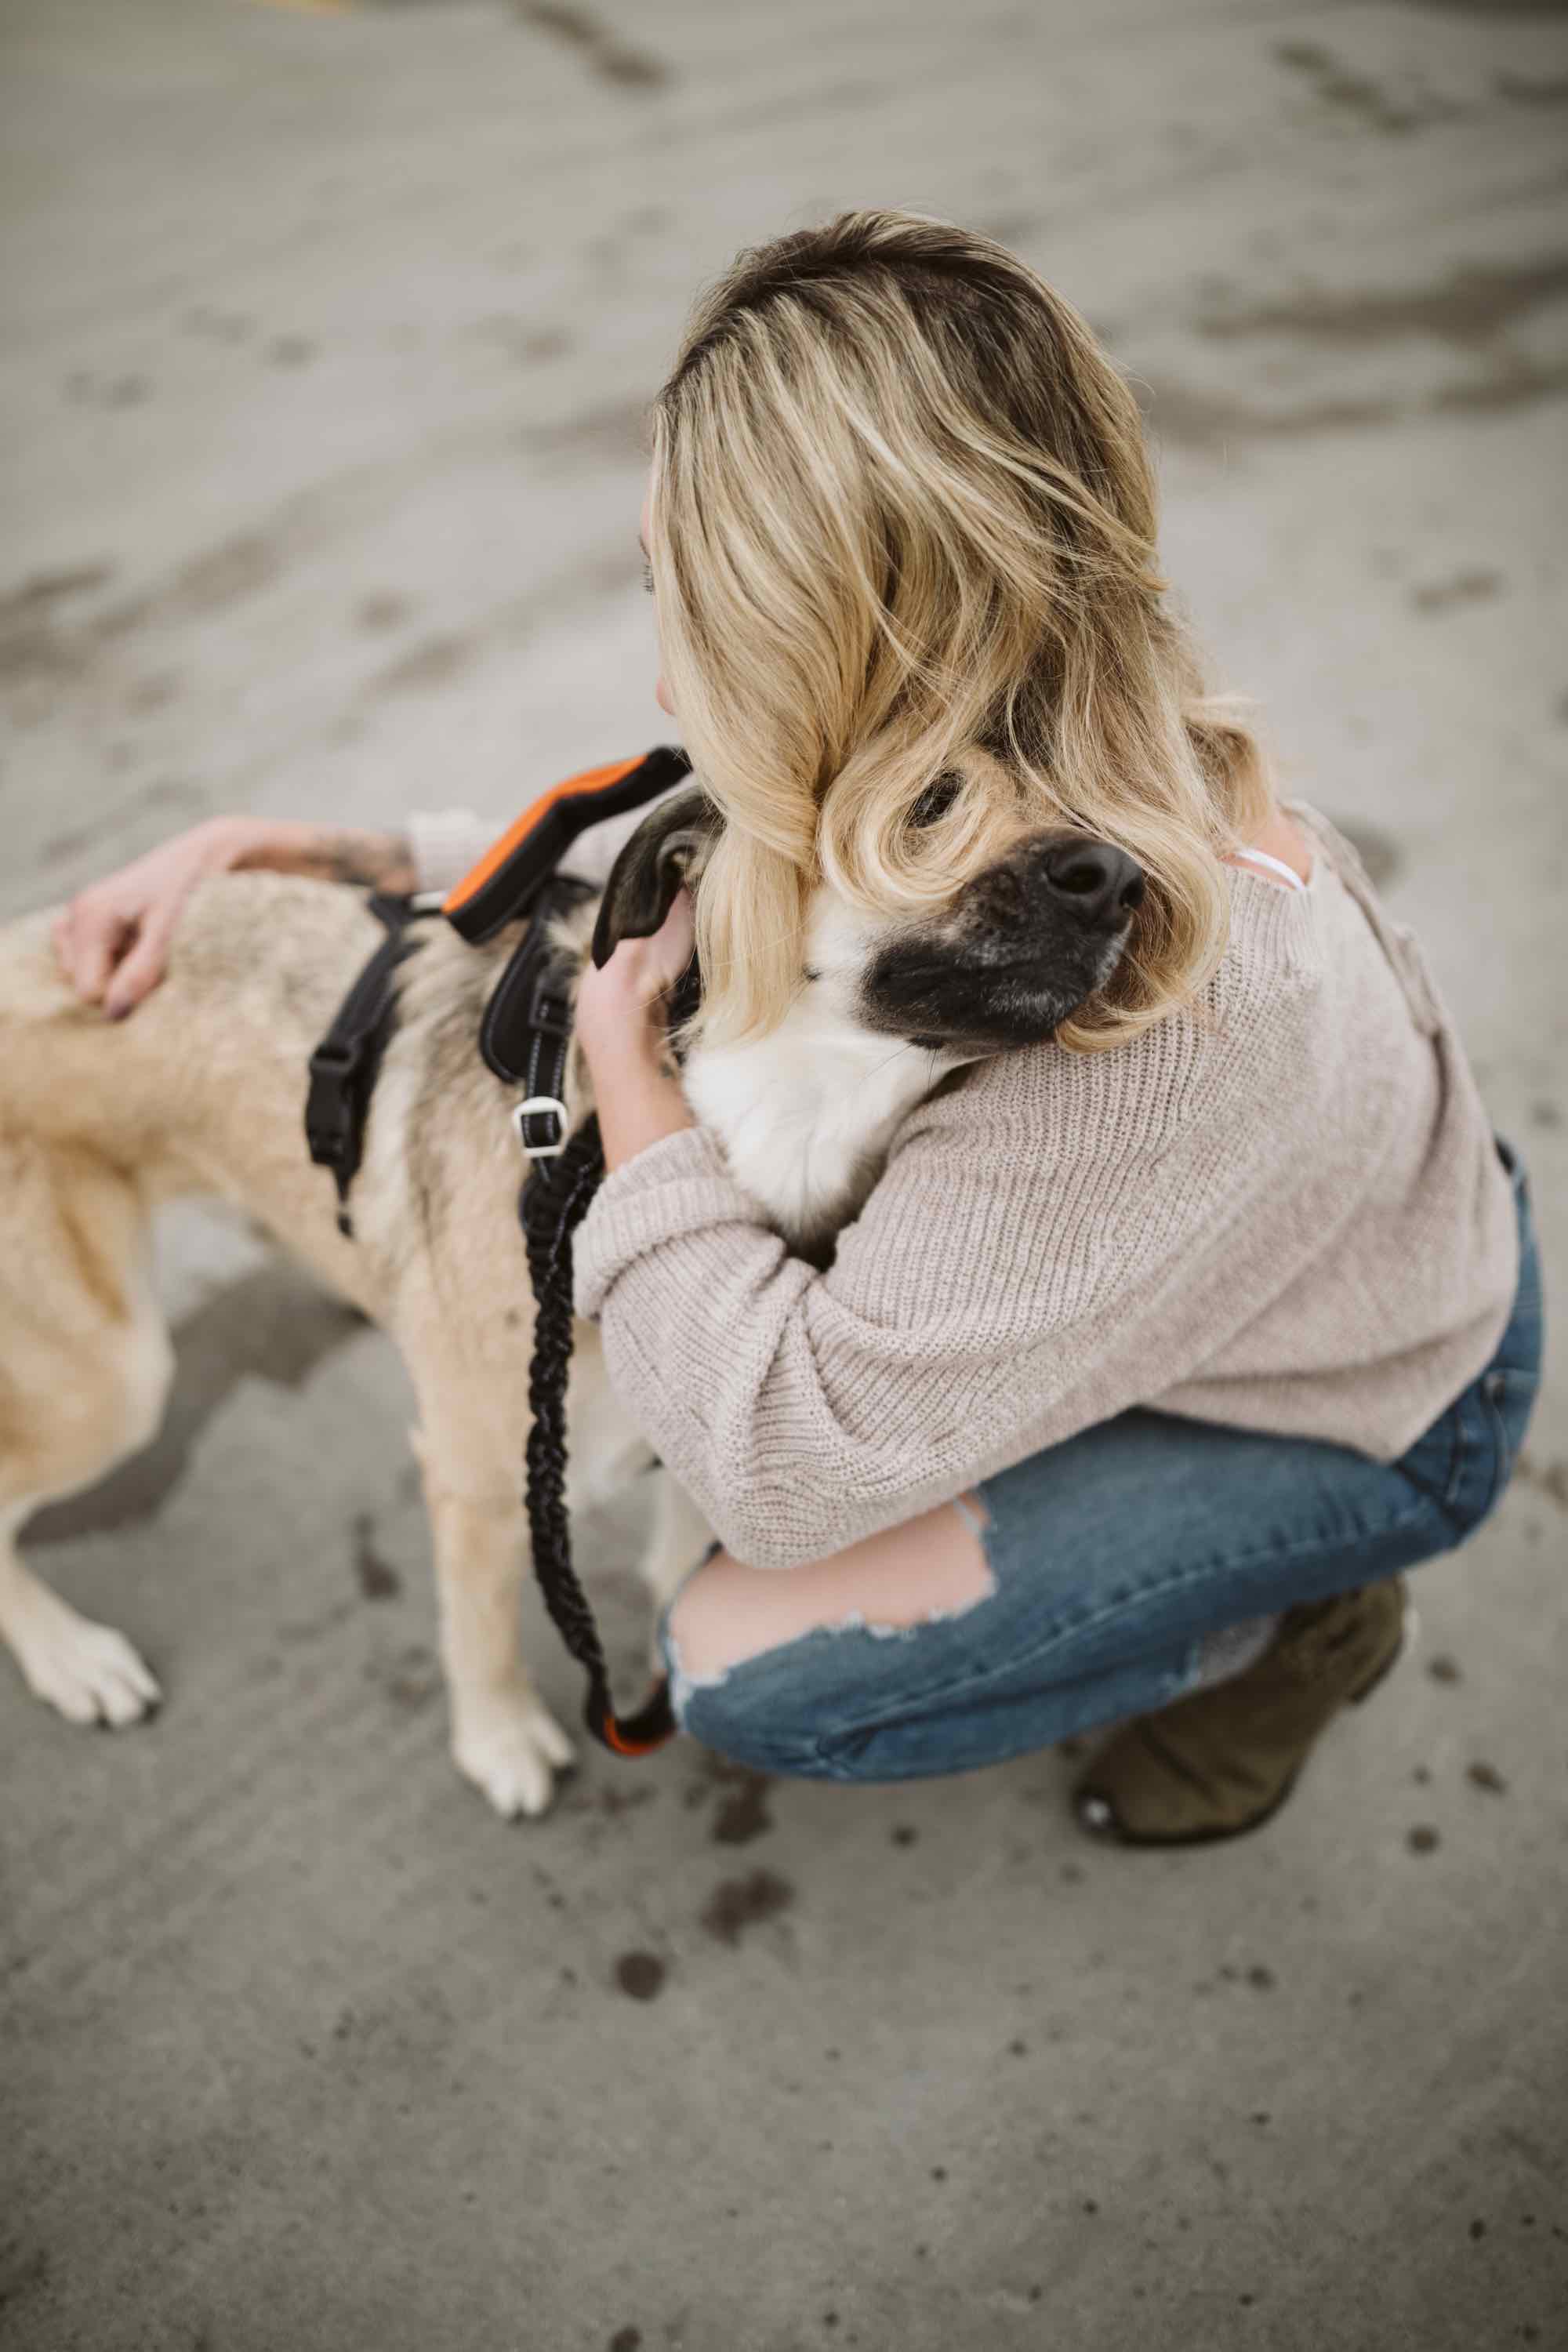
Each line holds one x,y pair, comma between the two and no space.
329,334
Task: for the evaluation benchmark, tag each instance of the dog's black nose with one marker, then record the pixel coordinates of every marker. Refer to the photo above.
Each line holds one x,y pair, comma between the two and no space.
1103,883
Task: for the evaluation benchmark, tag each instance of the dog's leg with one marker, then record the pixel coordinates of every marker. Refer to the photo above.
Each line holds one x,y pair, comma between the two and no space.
679,1539
87,1671
504,1738
84,1364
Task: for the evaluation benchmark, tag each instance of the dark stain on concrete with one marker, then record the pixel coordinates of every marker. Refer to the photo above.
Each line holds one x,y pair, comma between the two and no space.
1475,586
1489,8
1511,382
1552,1480
1365,101
382,609
523,338
627,2339
373,1572
743,1812
21,2273
905,1834
1518,91
613,59
1465,309
290,350
217,326
640,1974
273,1325
739,1903
1443,1668
33,646
1483,1775
1261,1978
415,1679
617,429
45,590
1199,419
1423,1839
434,662
1377,850
226,574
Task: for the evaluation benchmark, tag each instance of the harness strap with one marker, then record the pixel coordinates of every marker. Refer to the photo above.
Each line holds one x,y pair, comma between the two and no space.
346,1063
525,1035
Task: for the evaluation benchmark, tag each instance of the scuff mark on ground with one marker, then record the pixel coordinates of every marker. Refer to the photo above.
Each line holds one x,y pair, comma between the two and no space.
1465,309
613,59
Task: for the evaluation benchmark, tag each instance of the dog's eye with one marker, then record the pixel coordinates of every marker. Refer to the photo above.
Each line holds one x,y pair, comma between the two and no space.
935,801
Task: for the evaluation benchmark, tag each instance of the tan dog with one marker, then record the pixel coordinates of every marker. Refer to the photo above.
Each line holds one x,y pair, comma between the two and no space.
201,1092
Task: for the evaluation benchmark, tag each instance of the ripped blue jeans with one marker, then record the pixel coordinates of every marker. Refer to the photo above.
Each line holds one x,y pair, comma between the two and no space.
1114,1558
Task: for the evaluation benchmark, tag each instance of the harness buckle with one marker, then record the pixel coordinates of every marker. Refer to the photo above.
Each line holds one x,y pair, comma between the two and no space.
537,1107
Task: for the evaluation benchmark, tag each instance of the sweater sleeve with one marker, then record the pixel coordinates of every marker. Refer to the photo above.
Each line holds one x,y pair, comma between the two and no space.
445,843
1041,1236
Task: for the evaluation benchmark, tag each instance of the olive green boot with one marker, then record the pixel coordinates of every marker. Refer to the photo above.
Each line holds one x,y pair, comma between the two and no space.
1223,1761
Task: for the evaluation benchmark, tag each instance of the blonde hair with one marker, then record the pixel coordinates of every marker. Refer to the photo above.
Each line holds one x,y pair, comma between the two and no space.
904,536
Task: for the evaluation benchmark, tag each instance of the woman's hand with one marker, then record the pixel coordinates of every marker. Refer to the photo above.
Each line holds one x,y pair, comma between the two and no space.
113,940
620,1028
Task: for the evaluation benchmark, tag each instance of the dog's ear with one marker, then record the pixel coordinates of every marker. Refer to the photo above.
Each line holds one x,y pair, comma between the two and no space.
651,868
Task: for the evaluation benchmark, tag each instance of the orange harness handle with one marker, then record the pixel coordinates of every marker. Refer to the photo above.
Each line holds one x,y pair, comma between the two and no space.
514,869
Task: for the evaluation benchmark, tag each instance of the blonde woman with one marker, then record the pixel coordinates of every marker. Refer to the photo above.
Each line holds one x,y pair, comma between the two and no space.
1158,1348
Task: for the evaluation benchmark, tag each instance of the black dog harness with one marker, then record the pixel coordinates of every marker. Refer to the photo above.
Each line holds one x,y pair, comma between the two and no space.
346,1063
526,1038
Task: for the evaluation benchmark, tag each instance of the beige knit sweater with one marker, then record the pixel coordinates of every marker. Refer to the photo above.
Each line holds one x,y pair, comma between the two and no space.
1285,1213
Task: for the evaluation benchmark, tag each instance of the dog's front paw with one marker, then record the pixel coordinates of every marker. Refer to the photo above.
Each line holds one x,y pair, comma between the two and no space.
88,1672
510,1747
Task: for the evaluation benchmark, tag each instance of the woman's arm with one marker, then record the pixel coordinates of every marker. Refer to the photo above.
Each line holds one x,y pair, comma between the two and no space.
1053,1241
113,940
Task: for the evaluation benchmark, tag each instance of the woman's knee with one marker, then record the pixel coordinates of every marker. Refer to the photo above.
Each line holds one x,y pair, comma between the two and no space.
777,1668
716,1656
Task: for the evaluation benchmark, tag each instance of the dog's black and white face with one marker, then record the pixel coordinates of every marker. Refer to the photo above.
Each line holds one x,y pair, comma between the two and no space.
1013,951
886,1007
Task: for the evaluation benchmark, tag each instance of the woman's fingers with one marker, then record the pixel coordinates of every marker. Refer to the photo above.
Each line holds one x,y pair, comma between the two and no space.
677,936
113,939
143,966
90,939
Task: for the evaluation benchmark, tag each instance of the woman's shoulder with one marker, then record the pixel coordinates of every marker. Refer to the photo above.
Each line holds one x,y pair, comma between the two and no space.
1222,1055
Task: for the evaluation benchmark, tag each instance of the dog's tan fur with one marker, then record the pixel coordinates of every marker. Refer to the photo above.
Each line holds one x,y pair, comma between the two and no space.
201,1093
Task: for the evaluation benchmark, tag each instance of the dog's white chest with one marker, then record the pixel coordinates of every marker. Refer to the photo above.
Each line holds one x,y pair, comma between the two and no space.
807,1115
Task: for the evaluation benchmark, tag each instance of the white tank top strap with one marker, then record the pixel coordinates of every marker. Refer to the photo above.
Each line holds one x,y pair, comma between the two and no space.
1287,874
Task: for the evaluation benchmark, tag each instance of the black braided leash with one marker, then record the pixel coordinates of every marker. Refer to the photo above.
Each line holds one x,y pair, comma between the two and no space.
555,1199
